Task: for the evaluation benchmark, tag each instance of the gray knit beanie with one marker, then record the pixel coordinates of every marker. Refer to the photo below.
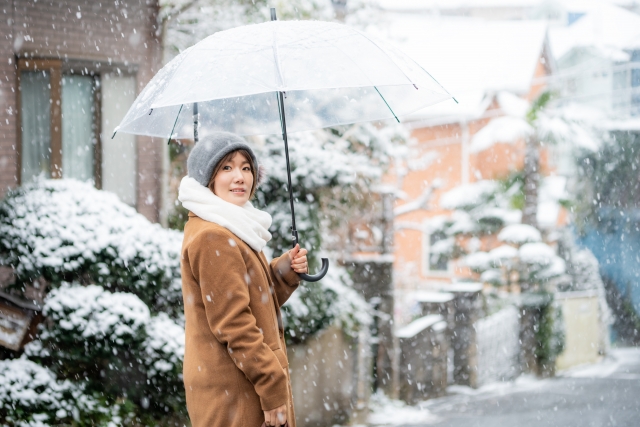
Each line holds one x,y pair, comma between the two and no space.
210,150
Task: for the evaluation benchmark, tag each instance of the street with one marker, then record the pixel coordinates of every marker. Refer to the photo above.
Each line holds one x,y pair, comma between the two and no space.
605,394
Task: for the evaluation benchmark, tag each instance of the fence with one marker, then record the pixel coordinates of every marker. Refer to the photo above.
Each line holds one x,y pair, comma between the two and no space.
498,346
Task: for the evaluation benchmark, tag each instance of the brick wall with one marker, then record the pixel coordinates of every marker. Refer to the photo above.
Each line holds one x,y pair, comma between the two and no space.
8,153
100,33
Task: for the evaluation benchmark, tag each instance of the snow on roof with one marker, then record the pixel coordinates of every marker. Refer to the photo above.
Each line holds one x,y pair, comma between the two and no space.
469,195
426,296
469,57
419,325
452,4
500,130
513,105
464,287
606,27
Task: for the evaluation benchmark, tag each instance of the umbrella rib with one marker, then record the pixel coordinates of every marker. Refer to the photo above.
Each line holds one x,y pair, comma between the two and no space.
276,58
387,104
390,58
174,124
429,74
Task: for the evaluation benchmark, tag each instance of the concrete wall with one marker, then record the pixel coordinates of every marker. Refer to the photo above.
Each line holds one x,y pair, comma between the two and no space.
584,333
424,345
331,379
373,279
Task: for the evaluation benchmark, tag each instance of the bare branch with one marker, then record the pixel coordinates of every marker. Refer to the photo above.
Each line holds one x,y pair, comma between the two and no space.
419,203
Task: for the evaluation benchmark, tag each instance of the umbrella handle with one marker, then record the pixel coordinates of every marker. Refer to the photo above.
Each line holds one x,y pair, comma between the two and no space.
320,275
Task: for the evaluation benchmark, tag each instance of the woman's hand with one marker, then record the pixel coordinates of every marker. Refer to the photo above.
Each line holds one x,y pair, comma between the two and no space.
276,417
299,259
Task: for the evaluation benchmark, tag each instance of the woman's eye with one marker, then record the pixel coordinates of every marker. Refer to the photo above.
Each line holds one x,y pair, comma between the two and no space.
247,168
226,168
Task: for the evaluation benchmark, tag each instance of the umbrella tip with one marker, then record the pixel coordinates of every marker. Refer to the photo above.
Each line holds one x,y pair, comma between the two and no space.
454,98
273,14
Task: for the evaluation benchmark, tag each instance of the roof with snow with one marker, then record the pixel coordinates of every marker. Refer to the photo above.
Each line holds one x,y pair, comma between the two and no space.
469,57
605,27
453,4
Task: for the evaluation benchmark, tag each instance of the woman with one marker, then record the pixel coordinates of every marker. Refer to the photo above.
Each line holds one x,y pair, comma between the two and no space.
235,366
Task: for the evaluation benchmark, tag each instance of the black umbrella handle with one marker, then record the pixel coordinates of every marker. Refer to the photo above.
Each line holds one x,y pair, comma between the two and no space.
318,276
323,269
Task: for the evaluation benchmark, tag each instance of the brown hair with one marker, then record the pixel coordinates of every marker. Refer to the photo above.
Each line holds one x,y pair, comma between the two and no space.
228,158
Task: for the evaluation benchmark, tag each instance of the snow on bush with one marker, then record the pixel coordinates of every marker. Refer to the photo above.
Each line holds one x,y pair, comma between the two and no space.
480,207
536,253
111,342
519,234
89,313
65,230
470,195
164,346
478,261
503,254
485,208
30,395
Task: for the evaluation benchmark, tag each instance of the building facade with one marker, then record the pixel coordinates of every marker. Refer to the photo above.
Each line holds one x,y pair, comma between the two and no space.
69,70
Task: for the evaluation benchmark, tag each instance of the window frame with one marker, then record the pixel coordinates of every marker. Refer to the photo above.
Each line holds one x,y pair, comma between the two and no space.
426,258
57,69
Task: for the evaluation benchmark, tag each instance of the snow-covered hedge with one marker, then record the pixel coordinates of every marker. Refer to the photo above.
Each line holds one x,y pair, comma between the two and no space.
111,341
66,230
31,396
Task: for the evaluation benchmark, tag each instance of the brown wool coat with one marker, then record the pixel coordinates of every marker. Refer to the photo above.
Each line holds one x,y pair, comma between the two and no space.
235,364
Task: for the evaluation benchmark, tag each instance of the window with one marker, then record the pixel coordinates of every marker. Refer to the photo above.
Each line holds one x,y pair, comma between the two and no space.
62,115
118,154
58,122
35,95
435,261
79,125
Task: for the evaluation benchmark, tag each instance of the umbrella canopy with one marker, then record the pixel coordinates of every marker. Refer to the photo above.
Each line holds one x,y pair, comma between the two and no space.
329,74
280,76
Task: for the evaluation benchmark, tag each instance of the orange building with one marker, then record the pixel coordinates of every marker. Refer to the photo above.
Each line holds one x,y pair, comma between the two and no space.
484,64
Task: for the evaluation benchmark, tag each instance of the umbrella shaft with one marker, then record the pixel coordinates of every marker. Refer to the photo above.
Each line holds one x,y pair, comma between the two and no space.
195,122
283,124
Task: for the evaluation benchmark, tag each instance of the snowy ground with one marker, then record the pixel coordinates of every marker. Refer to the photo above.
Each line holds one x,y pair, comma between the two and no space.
604,394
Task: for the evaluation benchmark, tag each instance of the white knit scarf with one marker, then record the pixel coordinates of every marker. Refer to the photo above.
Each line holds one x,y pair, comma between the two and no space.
248,223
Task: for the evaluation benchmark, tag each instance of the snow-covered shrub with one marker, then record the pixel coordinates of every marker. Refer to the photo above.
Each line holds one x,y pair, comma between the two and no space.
110,341
30,395
491,209
66,230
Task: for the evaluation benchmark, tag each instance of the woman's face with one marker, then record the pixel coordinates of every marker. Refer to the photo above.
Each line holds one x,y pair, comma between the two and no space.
234,180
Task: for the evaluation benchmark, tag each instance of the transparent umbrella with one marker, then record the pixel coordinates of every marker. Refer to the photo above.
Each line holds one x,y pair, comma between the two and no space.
279,77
